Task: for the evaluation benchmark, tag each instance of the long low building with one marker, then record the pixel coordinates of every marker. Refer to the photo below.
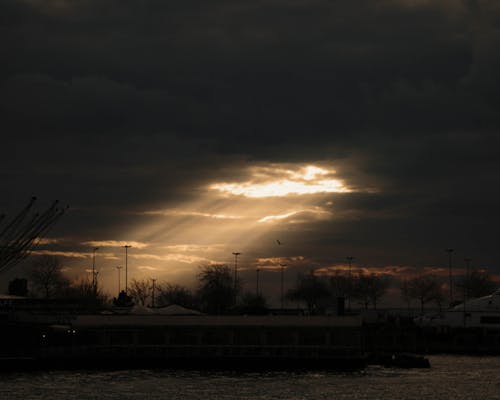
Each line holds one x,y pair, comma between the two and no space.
201,341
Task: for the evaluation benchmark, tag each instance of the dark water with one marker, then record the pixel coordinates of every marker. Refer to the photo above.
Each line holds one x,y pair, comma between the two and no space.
451,377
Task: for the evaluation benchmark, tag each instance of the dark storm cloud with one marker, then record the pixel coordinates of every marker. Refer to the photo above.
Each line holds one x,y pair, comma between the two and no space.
228,69
132,105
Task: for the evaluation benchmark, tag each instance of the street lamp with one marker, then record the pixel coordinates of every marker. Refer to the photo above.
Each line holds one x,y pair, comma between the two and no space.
94,278
449,251
282,285
127,246
119,278
235,254
282,276
153,293
466,288
257,283
349,259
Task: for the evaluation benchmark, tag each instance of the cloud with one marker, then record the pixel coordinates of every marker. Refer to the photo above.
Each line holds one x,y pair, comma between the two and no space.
186,213
114,243
45,241
305,214
276,181
186,248
147,268
73,254
70,254
394,100
179,257
399,271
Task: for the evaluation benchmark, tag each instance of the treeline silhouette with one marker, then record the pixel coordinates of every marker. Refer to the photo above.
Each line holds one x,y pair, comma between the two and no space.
217,291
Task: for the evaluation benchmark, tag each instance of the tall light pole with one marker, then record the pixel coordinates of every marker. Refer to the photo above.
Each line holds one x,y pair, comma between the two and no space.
257,283
466,288
153,293
282,276
349,260
127,246
94,278
119,278
235,254
282,285
450,251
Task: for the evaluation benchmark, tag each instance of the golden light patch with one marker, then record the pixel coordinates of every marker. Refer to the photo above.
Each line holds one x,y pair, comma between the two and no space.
280,182
183,258
114,243
188,213
70,254
316,212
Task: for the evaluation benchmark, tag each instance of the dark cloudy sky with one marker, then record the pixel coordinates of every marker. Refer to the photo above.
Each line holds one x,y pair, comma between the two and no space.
132,112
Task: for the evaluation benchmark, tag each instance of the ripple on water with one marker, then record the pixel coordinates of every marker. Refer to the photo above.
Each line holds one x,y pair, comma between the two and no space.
449,378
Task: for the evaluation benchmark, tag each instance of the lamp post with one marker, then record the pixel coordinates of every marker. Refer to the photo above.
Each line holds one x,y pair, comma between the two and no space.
94,277
257,283
235,254
450,251
127,246
349,260
282,285
282,276
153,293
119,278
466,288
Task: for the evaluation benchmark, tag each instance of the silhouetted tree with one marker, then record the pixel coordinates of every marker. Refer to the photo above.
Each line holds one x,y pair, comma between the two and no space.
312,291
217,291
424,288
123,300
253,304
86,294
47,276
140,290
477,284
18,287
175,294
369,289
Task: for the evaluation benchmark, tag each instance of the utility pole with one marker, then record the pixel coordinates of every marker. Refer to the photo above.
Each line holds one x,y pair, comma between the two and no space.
94,277
127,246
153,293
282,277
466,288
119,276
450,251
349,259
282,285
235,254
257,283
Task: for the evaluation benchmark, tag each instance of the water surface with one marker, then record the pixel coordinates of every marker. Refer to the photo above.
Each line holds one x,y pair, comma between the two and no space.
449,378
